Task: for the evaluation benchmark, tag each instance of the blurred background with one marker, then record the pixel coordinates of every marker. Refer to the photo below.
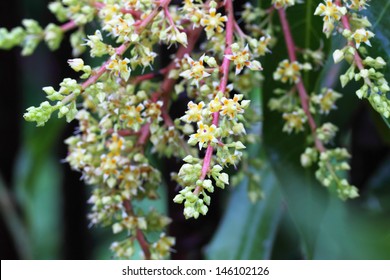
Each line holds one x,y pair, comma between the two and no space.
43,210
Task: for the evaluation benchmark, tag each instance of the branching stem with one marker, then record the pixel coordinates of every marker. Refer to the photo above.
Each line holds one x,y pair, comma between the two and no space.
303,96
224,80
139,28
139,234
357,59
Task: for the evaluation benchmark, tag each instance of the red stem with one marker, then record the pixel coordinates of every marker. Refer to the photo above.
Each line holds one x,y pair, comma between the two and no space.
167,86
144,135
123,132
139,27
169,17
224,80
139,234
168,83
134,13
358,59
303,96
287,35
68,26
137,79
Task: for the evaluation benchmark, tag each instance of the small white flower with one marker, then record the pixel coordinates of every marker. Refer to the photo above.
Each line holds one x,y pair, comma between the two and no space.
76,64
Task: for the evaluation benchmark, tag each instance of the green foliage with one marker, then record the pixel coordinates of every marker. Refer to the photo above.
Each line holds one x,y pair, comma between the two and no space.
248,230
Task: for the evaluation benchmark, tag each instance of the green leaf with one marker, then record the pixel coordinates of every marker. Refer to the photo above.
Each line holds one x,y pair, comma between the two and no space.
359,230
14,223
248,230
377,14
352,233
37,177
39,197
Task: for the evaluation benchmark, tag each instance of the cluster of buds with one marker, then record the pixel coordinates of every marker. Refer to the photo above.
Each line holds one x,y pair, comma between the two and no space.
355,29
192,174
120,113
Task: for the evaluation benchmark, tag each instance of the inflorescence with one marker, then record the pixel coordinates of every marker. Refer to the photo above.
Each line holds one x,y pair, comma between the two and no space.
120,111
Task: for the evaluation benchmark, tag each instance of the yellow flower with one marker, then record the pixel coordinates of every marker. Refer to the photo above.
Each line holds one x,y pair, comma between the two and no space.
287,71
326,100
231,107
262,46
109,165
358,4
215,105
331,14
115,145
232,159
362,35
152,110
242,58
213,22
283,3
294,121
194,112
119,67
216,90
132,116
197,70
205,134
108,12
130,177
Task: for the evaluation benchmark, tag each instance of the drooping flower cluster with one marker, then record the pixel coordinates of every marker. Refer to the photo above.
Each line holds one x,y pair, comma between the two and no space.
124,116
208,136
299,108
355,29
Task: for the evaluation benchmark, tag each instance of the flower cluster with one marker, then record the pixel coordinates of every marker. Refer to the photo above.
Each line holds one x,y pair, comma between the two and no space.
123,107
283,3
209,136
241,58
326,100
288,71
120,113
367,69
332,14
213,21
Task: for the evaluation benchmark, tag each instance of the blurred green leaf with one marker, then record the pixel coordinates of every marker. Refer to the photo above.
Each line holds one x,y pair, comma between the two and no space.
377,14
352,233
248,230
378,191
40,200
38,185
13,222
